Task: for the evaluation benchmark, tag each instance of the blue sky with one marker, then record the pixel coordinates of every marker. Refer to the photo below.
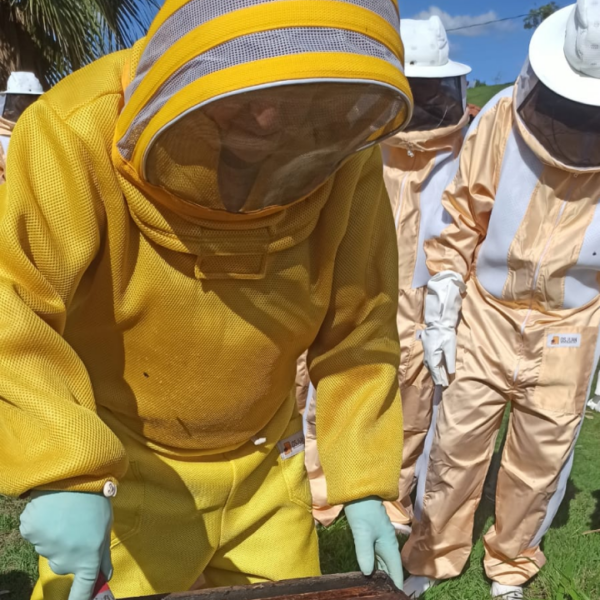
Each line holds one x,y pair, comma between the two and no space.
496,52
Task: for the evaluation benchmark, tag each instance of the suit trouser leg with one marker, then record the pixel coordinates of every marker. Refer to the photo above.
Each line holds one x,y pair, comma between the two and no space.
469,419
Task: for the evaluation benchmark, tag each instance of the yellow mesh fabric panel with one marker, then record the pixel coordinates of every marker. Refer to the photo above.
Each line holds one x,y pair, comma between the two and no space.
355,356
51,225
103,304
180,521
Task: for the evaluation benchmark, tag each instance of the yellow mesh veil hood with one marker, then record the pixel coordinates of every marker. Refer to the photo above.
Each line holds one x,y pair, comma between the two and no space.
197,51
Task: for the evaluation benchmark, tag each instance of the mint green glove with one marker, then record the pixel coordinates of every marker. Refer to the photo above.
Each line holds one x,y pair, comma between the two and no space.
375,538
71,530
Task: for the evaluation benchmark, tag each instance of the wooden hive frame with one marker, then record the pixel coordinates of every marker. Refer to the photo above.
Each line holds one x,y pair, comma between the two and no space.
349,586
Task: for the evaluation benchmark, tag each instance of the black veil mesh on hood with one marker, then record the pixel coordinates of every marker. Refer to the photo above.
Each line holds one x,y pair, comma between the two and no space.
569,131
439,102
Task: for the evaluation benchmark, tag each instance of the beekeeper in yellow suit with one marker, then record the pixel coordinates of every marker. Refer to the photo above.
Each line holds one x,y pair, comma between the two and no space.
523,249
182,220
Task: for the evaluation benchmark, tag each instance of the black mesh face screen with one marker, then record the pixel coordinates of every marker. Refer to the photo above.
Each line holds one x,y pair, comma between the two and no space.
269,147
15,105
438,103
568,130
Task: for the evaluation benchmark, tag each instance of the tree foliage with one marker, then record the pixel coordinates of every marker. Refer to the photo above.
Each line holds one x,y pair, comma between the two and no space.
54,37
537,15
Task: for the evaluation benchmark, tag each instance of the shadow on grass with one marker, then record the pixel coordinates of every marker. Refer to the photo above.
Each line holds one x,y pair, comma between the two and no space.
485,510
336,548
17,584
562,516
595,518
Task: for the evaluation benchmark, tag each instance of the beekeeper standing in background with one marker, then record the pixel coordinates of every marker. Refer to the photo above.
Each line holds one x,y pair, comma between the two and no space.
181,222
419,163
22,90
525,237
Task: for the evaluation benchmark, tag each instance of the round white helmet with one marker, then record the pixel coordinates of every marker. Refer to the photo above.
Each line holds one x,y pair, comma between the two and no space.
427,51
565,52
23,82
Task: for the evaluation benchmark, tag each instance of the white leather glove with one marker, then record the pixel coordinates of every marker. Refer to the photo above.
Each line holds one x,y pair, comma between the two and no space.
594,403
442,309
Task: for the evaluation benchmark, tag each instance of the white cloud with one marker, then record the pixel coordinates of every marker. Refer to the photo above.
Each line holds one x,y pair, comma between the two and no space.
453,22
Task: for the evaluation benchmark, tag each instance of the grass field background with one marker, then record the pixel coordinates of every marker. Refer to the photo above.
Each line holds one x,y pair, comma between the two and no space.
572,545
572,573
481,95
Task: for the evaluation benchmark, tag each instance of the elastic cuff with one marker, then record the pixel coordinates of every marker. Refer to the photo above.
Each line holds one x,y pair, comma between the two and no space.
106,486
345,496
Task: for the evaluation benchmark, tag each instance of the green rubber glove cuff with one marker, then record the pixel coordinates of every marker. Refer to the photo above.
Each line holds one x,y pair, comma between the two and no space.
72,531
375,539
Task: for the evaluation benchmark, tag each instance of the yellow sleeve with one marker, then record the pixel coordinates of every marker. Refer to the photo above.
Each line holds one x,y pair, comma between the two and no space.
354,359
50,230
469,199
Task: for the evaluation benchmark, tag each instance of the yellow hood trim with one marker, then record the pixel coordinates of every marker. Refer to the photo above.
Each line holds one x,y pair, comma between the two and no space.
172,6
261,17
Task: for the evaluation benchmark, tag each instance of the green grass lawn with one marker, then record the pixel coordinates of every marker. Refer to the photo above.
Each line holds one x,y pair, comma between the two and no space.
18,567
573,569
572,573
481,95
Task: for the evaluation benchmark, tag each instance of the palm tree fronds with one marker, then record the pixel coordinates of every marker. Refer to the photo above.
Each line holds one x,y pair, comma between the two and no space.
55,37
